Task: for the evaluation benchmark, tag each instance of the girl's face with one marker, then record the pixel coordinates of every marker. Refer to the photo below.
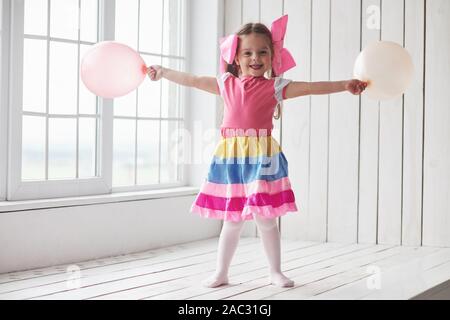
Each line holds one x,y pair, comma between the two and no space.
254,57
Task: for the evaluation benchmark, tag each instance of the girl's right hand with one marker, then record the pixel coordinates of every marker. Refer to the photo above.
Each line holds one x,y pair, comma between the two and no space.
154,72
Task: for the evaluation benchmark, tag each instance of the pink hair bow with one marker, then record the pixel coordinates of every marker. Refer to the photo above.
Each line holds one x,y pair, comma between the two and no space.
282,60
228,48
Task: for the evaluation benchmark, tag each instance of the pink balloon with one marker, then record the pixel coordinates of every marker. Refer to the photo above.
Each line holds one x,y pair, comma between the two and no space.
111,69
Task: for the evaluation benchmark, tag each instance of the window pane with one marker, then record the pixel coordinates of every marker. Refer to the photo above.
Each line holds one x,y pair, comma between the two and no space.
149,92
35,20
125,105
63,78
147,156
64,19
126,27
61,148
88,23
88,100
33,148
123,155
34,75
87,147
172,27
169,150
170,91
150,30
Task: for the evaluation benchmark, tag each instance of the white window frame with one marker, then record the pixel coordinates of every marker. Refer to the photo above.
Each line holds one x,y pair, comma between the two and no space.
11,160
4,63
181,176
22,190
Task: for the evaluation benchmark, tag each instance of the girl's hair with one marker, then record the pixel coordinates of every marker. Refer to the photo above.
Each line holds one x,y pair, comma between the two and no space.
260,29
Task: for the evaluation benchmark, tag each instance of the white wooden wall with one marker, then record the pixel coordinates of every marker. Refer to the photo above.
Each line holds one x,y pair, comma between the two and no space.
364,171
436,184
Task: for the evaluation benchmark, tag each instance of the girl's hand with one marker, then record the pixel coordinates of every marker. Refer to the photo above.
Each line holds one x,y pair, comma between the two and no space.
355,86
154,72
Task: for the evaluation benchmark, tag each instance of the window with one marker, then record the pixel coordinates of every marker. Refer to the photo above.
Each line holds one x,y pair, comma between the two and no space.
59,115
147,122
64,140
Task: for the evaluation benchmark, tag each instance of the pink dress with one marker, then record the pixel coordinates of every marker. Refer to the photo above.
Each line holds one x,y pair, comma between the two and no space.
248,173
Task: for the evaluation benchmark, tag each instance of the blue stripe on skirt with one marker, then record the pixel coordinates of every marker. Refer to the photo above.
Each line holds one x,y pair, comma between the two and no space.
248,169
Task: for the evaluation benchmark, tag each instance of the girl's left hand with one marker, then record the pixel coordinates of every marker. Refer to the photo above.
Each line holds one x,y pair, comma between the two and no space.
355,86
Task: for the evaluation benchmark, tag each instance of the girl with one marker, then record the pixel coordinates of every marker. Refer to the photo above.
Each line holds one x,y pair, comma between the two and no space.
239,187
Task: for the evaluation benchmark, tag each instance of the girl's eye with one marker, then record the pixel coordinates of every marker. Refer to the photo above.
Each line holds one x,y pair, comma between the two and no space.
247,53
263,52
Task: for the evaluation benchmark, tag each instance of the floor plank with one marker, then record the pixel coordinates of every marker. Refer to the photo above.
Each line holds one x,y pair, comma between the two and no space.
320,271
392,275
172,273
255,274
188,248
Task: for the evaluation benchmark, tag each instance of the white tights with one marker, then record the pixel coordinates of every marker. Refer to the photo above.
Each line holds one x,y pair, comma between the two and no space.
228,241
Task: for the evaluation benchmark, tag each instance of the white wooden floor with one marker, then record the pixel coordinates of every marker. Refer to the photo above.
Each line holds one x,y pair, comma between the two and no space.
320,271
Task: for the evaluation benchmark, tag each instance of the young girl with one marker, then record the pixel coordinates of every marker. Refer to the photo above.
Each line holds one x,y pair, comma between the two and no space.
239,185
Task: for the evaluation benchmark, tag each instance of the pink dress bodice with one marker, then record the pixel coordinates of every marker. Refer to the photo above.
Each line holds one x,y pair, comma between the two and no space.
250,101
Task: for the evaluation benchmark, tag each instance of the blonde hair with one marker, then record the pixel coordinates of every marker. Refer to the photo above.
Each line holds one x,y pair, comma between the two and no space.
261,29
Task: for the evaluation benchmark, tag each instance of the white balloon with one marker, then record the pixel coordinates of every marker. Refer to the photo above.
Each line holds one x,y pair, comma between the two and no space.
387,67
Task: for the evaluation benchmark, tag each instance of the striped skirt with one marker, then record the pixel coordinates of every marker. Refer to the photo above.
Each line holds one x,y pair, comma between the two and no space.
247,175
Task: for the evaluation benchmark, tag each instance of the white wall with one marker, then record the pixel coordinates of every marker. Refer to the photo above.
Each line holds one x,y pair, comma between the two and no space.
364,171
436,184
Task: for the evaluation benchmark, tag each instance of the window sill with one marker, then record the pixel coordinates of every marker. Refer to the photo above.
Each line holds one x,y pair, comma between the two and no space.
10,206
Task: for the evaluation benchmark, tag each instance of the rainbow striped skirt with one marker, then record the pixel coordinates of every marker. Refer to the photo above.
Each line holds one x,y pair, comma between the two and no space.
247,175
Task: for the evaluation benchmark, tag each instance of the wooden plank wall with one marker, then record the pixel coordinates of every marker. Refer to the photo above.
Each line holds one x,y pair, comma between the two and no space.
436,184
364,171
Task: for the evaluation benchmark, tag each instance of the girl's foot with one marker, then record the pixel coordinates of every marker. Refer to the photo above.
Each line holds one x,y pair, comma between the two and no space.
281,280
215,281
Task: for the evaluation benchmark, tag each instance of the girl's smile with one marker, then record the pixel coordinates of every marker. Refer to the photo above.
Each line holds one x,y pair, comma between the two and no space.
256,66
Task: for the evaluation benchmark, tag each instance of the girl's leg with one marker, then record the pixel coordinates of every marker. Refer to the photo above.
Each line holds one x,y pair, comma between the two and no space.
271,242
228,241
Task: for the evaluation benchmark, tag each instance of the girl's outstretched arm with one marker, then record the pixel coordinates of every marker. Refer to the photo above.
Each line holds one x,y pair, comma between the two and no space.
298,88
208,84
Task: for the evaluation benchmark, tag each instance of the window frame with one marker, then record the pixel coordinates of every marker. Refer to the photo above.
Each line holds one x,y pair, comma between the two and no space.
4,73
12,187
182,120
